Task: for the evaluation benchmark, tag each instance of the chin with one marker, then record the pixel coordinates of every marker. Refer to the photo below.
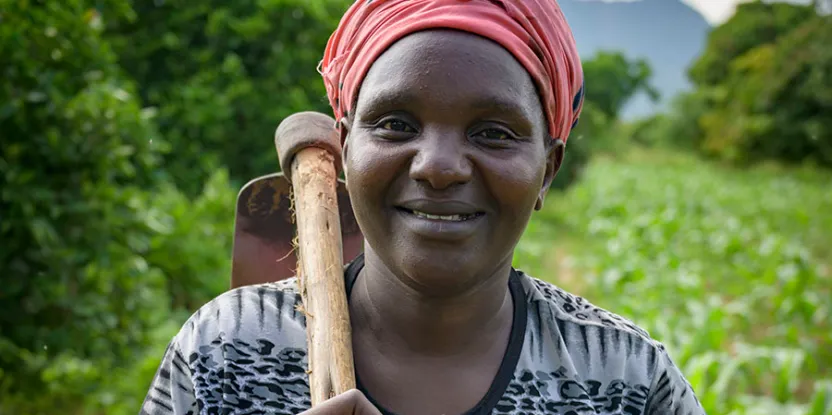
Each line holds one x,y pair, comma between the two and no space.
443,272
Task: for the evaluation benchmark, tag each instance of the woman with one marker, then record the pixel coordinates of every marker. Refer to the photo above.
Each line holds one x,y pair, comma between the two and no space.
453,115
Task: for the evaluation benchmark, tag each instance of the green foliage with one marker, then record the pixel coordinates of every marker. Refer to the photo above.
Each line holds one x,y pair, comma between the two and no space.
754,24
799,74
97,247
611,80
719,264
191,246
678,128
684,129
192,240
763,91
651,131
588,138
776,102
78,293
222,75
127,383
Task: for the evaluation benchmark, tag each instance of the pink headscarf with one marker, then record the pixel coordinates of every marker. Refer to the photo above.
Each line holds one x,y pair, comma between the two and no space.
534,31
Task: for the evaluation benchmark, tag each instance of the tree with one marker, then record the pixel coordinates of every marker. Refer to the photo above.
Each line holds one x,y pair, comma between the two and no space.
753,24
611,79
775,99
77,151
222,75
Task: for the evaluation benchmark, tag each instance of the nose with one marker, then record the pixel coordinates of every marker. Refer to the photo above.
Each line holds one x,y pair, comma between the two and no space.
441,161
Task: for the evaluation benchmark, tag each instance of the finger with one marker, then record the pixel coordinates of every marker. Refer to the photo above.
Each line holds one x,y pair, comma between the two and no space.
351,402
364,406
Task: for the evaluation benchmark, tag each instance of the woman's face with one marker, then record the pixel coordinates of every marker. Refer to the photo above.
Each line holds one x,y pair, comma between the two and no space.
445,159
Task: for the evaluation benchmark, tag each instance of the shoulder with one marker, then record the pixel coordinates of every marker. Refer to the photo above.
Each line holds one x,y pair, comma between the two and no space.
605,347
595,340
246,348
262,311
574,309
599,343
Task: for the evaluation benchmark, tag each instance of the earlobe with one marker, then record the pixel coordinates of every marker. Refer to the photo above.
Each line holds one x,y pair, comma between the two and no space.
554,160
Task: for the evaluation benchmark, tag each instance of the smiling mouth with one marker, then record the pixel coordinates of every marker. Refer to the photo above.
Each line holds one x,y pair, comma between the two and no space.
459,217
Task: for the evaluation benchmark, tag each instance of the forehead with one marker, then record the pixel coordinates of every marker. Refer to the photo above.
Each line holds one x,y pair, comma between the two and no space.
449,68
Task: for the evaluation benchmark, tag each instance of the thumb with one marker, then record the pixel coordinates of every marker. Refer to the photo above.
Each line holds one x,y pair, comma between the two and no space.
351,402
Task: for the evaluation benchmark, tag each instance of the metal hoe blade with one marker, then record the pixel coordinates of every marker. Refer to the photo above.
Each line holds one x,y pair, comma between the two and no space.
264,229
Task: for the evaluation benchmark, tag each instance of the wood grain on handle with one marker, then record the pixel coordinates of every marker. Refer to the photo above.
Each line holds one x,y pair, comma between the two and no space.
320,275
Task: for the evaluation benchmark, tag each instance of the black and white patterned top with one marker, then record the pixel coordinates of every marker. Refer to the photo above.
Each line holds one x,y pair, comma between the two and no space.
245,353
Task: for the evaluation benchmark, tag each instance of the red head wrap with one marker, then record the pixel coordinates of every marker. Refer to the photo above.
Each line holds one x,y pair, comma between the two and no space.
534,31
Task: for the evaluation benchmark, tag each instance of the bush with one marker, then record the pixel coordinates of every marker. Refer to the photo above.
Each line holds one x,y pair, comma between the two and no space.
754,24
222,75
677,128
587,139
78,295
611,79
764,79
192,243
102,259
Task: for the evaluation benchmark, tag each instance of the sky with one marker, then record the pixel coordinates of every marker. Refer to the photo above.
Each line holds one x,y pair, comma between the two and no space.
714,11
718,11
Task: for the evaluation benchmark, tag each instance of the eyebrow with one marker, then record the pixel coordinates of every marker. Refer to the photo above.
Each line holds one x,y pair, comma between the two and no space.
491,103
502,106
386,99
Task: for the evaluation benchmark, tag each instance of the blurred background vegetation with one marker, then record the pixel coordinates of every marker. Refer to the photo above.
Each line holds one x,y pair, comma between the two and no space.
127,128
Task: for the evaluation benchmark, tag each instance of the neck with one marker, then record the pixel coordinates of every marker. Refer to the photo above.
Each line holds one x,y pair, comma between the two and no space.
398,316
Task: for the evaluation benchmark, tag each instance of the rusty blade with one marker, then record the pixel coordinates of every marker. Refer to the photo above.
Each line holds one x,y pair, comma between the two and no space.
264,230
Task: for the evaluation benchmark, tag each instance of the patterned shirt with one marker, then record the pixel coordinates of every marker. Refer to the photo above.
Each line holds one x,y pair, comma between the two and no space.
245,353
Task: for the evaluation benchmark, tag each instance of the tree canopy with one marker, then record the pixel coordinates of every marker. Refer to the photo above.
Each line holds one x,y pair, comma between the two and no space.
765,79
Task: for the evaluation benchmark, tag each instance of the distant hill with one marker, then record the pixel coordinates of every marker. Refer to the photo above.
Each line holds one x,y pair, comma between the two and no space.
668,33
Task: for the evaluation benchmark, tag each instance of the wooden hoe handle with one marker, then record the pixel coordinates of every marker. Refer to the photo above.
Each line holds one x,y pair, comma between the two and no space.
309,146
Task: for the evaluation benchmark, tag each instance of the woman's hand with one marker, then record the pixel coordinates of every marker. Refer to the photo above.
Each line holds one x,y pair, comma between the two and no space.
351,402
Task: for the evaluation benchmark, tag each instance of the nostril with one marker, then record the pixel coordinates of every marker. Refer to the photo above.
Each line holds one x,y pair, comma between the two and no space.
442,160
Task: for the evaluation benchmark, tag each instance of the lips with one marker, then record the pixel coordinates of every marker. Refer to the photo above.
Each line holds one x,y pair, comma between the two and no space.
448,211
451,218
442,221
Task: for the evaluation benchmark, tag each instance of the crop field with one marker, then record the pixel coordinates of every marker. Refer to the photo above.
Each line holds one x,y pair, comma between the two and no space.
730,269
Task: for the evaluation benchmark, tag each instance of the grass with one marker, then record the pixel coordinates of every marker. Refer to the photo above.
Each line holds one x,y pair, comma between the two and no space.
731,269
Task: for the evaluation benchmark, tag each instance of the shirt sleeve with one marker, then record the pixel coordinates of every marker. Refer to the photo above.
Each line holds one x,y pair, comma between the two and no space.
172,390
670,392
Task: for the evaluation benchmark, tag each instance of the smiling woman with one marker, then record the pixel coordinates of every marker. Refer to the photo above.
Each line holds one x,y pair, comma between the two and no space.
444,178
453,117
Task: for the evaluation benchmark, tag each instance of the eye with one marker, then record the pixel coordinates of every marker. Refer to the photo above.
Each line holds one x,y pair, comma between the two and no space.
397,126
494,134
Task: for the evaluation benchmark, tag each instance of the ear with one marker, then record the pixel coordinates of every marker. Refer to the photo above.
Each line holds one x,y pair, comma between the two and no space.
554,160
346,124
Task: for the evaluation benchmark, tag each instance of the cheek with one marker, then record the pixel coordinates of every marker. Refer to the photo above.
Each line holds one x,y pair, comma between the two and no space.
371,170
516,185
366,164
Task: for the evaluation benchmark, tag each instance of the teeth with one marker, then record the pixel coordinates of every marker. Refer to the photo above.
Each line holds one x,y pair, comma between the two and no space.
454,218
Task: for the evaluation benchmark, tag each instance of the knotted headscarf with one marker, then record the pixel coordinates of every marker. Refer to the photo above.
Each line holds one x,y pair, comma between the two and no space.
534,31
